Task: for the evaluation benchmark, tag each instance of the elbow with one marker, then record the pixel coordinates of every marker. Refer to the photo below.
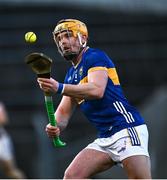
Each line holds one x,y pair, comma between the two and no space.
99,94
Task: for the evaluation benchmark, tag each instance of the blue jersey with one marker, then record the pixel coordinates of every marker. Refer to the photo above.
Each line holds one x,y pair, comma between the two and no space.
112,112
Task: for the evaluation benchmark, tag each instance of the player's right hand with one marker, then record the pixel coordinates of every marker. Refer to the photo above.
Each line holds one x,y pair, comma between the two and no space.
48,85
52,131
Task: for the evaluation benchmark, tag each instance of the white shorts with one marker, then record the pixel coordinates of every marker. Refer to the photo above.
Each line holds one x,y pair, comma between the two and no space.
125,143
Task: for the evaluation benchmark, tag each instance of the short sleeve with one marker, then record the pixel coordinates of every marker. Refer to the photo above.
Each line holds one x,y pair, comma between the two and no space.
98,60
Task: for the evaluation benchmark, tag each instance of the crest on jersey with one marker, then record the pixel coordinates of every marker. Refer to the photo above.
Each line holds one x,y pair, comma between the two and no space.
81,71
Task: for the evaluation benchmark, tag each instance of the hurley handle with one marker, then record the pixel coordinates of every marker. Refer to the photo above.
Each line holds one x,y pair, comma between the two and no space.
52,120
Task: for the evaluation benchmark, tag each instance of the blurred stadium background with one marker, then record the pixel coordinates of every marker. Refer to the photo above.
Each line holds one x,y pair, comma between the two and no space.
132,32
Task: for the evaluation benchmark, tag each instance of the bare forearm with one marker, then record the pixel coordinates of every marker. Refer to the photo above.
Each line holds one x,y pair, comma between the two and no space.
85,91
62,124
64,111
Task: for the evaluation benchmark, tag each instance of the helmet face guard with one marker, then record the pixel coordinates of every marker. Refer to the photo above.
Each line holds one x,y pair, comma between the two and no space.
70,27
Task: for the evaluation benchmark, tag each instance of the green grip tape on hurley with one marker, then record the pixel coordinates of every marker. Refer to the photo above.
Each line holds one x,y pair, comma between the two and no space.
52,120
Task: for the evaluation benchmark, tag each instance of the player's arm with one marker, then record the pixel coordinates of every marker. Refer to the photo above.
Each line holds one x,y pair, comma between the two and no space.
64,111
93,89
62,114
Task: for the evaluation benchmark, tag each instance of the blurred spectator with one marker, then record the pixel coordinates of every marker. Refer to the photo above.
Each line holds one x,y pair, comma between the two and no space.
7,160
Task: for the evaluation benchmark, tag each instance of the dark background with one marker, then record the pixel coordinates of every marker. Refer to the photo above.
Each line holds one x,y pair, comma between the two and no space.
135,40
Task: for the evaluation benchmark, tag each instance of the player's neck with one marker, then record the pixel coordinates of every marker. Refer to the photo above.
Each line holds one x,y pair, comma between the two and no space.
76,61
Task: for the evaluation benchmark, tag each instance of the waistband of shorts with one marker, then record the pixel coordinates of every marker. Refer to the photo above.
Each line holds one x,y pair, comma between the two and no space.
121,134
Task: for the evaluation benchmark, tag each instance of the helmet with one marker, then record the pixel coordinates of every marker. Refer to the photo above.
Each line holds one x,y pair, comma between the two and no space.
73,25
77,28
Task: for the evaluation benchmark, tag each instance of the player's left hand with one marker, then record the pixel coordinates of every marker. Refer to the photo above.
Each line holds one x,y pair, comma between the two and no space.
52,131
48,85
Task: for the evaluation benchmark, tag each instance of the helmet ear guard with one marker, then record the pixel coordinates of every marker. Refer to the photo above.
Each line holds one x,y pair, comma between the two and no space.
80,40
